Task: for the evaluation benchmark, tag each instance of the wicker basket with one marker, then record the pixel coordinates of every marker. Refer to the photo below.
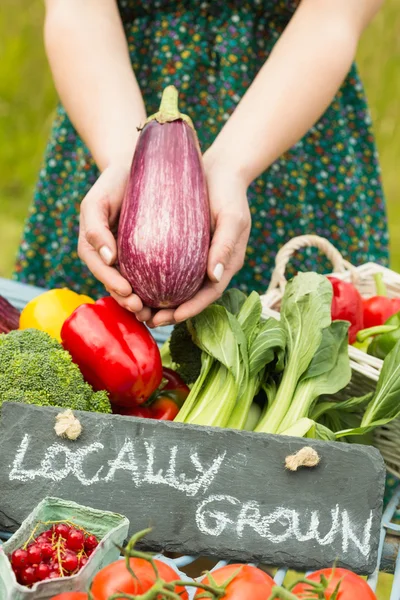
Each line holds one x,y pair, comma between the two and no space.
366,369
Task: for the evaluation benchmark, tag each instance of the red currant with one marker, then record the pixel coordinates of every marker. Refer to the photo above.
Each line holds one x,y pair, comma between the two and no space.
90,552
47,551
28,575
42,539
34,554
42,572
70,562
62,530
91,542
19,558
54,575
75,540
83,562
48,533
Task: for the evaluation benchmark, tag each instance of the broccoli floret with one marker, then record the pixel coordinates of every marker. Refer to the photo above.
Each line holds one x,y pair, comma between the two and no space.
35,369
32,340
99,402
184,353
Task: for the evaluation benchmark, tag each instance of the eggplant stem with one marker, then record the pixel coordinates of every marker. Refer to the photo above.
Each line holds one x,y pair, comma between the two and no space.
169,109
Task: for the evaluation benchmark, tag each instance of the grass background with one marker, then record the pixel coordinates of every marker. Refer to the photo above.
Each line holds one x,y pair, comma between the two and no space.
27,102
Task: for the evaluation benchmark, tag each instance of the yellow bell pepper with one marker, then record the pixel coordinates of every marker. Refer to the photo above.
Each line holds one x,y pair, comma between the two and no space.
48,311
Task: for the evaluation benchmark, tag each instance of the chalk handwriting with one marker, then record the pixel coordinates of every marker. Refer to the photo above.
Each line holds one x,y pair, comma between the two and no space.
72,460
214,515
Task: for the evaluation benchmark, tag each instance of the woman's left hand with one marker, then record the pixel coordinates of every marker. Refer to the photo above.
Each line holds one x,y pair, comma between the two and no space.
230,221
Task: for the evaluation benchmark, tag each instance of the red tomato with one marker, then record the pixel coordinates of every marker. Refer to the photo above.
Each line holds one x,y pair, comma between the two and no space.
116,578
71,596
164,409
352,587
249,583
173,380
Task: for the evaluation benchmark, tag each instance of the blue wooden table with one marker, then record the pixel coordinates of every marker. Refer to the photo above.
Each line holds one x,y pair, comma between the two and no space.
389,555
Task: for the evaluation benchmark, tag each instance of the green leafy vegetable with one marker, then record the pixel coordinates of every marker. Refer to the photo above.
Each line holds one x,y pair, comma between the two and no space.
328,373
238,344
305,313
266,343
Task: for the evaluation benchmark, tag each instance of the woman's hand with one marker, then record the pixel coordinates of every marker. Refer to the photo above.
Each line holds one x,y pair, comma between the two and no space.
98,222
230,221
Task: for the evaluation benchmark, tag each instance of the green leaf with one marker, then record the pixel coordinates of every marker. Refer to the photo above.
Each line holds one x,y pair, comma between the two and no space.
350,405
329,372
386,401
326,356
305,313
324,433
212,331
232,300
363,429
267,342
308,428
249,316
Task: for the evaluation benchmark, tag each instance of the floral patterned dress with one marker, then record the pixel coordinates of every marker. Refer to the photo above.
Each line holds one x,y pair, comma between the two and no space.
328,184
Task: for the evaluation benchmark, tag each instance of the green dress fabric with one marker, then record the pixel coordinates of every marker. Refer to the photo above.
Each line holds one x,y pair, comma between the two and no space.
328,184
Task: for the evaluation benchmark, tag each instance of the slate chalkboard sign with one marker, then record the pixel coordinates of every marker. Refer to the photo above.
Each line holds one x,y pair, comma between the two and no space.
204,491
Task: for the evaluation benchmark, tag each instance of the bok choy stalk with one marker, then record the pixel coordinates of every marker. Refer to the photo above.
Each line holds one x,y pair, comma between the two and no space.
236,346
268,341
212,399
305,313
328,373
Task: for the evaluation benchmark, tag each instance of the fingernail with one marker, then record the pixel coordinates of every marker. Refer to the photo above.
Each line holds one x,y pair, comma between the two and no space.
164,324
106,255
219,271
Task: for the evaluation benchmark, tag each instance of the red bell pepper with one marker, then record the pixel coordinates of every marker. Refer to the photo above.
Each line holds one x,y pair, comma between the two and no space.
114,351
347,305
379,308
164,404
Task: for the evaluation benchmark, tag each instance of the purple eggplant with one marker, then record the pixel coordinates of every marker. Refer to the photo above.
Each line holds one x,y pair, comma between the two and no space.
9,316
164,228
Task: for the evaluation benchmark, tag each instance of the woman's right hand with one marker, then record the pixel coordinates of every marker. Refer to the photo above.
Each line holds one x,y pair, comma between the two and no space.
96,244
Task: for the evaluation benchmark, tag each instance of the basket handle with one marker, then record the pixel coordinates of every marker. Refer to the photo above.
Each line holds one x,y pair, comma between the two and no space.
306,241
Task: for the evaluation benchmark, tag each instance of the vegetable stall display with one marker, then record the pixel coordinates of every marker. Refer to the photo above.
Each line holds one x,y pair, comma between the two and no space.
141,577
227,367
233,359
